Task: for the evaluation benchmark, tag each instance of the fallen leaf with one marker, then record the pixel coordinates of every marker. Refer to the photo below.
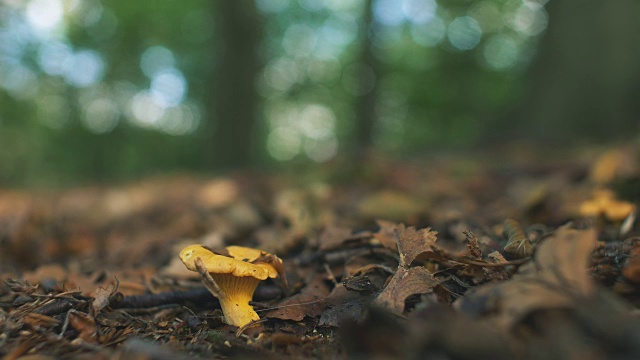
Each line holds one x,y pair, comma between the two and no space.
344,305
309,302
84,324
405,282
333,237
415,244
368,279
386,234
101,297
473,246
518,244
276,262
556,278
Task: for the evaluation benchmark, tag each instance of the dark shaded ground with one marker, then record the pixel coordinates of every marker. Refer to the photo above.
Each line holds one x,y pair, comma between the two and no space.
525,257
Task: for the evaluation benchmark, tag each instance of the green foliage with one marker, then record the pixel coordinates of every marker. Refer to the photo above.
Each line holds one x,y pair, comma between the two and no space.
432,88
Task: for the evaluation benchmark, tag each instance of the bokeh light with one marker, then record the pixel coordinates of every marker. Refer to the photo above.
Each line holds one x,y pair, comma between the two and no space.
45,15
101,115
84,68
464,33
168,87
156,59
501,52
313,71
429,34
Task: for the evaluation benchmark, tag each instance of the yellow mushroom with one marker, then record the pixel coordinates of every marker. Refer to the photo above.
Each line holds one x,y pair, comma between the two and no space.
236,271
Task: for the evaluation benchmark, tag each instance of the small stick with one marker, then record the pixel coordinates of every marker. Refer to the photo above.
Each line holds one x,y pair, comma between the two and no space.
207,280
198,296
330,274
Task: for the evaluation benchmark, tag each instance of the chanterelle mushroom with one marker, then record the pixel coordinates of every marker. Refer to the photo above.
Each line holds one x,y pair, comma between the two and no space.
237,271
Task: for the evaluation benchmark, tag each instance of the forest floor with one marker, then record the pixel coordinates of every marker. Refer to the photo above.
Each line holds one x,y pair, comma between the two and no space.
451,257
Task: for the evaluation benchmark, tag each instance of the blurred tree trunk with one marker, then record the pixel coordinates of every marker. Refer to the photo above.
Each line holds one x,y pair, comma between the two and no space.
586,79
235,100
368,84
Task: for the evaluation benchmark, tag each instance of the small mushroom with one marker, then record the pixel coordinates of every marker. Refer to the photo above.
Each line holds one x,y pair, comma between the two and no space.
236,271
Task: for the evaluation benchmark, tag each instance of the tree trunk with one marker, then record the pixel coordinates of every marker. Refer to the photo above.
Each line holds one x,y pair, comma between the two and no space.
586,80
365,103
234,100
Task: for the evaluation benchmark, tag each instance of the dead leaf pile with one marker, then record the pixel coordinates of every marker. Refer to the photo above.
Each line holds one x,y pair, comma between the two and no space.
499,257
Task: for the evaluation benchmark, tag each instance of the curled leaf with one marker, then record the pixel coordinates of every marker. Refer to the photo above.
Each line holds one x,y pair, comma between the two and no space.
415,244
405,282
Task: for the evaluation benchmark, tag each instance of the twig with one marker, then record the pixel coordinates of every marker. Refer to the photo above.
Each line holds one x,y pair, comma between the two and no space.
56,307
196,296
207,280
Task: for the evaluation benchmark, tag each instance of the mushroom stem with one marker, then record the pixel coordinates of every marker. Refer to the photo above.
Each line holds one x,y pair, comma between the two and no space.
235,297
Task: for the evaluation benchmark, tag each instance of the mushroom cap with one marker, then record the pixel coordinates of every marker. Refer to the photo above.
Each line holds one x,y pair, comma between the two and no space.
238,263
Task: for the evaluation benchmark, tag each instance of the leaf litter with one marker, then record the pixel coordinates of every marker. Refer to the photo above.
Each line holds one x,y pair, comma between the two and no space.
421,262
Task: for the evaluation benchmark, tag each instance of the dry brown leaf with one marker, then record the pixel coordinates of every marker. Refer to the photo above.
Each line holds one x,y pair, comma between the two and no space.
405,282
385,234
557,278
101,297
273,260
415,244
309,302
518,244
473,246
332,237
85,325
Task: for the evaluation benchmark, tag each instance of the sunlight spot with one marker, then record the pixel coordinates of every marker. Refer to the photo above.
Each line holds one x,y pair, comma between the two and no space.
180,120
388,12
535,4
45,15
155,59
19,81
146,112
52,57
317,121
83,68
282,74
529,20
299,40
340,29
168,87
464,33
501,52
283,143
419,11
100,115
429,34
322,149
488,15
92,14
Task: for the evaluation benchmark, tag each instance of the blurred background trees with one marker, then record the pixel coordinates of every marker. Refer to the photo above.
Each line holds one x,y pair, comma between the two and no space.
110,91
